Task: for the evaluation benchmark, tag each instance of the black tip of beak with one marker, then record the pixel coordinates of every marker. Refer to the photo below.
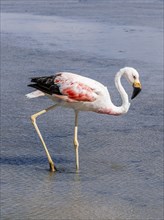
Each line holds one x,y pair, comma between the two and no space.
136,91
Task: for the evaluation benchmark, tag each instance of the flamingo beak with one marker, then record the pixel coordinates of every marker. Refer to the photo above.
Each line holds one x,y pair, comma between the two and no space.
137,89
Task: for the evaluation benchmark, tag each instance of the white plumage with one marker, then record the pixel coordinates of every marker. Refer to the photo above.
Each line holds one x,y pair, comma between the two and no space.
35,94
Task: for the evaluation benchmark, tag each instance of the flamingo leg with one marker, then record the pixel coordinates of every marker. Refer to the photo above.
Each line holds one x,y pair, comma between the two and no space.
76,143
33,119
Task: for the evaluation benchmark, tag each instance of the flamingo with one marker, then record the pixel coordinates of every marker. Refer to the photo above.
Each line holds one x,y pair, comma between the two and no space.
80,93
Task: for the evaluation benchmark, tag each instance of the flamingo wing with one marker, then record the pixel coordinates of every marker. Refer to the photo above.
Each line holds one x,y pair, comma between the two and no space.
67,87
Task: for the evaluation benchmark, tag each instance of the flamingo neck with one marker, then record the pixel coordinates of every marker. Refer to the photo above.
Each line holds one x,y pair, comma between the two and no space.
118,110
124,96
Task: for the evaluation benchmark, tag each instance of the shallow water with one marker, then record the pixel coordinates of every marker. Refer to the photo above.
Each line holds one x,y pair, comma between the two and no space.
121,158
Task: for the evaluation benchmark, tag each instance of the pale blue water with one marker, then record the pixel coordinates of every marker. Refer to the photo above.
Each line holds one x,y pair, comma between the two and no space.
121,158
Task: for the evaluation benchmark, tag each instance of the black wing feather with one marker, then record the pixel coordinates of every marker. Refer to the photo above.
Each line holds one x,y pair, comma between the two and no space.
45,84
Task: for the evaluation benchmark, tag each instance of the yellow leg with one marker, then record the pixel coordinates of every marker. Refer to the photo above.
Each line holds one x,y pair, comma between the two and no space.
33,119
76,143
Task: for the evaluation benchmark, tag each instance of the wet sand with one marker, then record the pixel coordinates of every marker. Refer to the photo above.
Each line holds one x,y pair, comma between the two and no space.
121,158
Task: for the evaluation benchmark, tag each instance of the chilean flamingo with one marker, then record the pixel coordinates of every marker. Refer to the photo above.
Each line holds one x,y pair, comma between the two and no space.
81,94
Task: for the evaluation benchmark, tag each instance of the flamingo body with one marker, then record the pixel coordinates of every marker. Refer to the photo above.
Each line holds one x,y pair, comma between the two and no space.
74,91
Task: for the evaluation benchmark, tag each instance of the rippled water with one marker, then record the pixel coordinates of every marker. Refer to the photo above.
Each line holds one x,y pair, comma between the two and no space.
121,158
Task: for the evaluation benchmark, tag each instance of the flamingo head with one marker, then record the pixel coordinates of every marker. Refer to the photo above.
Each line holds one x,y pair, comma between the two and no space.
132,77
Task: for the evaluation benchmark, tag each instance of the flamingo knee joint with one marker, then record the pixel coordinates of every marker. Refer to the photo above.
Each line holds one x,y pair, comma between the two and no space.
76,143
33,119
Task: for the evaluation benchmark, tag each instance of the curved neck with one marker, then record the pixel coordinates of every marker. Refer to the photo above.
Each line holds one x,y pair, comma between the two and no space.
125,101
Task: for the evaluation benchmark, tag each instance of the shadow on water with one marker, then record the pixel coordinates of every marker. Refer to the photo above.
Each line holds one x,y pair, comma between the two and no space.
65,168
28,160
40,165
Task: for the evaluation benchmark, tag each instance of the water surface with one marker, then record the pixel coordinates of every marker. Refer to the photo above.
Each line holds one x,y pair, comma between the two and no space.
121,172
